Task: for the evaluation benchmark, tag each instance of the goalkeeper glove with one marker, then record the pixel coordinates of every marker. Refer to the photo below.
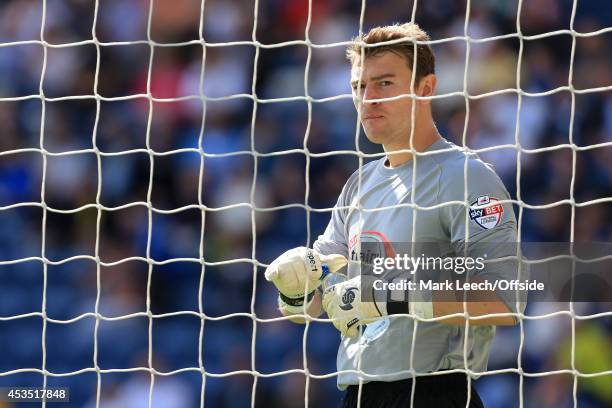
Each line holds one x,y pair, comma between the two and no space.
297,273
343,304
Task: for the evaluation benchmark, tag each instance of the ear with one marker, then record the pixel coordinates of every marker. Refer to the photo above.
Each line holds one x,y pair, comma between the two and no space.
427,86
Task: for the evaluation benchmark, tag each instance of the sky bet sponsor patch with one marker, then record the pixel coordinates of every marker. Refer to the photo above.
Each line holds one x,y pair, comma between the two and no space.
486,212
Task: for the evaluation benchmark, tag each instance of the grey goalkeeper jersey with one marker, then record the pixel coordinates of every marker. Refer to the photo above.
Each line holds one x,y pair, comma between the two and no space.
384,348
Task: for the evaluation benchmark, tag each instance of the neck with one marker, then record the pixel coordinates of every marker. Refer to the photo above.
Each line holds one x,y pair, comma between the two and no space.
424,136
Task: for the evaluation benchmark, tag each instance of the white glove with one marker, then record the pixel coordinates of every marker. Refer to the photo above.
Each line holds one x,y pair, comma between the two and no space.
297,274
343,305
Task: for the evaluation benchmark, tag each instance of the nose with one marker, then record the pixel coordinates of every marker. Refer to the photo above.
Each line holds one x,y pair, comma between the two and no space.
369,94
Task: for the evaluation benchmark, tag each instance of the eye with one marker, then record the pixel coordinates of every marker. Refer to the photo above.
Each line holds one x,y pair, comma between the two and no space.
385,83
354,86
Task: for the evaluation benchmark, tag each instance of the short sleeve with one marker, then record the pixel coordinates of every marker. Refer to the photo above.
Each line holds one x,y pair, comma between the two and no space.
489,214
487,227
333,240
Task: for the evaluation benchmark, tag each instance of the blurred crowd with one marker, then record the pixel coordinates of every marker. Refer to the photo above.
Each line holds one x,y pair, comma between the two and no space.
304,153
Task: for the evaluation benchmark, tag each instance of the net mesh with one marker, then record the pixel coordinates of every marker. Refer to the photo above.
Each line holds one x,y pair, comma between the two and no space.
206,102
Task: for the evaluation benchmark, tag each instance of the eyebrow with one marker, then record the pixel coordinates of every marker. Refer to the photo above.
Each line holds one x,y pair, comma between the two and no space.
376,78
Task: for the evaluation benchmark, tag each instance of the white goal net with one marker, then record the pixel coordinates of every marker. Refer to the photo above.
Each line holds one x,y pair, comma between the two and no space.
156,156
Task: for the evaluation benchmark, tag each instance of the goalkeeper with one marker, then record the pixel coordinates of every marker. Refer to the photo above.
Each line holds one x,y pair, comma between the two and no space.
374,206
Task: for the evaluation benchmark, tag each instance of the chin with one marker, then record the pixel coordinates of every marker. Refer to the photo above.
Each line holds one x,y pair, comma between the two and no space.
375,137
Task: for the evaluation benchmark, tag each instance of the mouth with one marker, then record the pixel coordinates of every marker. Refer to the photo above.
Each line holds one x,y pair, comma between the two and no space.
372,117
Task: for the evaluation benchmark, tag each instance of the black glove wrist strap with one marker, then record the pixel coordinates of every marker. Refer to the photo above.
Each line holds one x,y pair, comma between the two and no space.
297,301
397,307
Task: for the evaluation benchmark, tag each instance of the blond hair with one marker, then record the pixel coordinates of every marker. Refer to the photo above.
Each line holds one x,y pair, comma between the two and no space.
409,32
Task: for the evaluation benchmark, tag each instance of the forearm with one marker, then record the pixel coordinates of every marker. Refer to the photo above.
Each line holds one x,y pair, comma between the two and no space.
474,309
477,303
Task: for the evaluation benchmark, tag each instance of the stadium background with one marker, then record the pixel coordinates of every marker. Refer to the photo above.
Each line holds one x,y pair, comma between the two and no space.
71,182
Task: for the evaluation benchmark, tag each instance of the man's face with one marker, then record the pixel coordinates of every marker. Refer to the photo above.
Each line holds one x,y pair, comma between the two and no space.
383,75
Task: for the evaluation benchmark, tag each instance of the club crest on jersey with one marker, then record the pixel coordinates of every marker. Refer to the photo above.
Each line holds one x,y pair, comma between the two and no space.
486,212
